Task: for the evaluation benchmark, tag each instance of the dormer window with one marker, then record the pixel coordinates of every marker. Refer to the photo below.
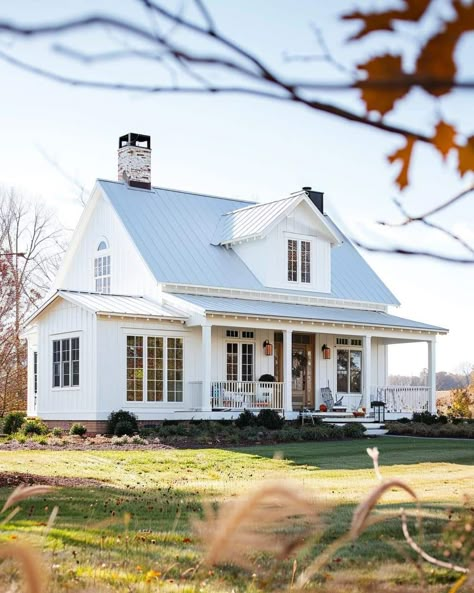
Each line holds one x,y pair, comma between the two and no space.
102,268
299,261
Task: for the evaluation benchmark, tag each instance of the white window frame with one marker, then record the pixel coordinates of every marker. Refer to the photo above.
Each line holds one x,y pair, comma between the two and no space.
350,349
299,240
240,342
103,280
153,334
59,338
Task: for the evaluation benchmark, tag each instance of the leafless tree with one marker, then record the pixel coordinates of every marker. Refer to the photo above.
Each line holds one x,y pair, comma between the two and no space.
30,250
194,56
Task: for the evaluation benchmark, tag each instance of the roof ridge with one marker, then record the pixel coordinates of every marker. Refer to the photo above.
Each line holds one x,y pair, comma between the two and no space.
182,191
258,204
131,296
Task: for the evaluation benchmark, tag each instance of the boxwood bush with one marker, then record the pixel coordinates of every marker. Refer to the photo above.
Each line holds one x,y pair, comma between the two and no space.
13,422
121,416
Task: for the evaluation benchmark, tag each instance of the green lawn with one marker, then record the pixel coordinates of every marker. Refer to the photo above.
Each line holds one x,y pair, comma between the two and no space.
92,545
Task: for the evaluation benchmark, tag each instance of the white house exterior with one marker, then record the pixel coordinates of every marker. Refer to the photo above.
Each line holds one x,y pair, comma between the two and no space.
176,305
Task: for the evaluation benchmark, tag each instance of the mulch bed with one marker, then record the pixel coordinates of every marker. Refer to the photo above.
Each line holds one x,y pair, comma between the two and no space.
12,479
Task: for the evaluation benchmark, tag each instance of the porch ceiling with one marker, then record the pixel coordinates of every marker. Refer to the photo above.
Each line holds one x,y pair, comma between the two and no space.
260,308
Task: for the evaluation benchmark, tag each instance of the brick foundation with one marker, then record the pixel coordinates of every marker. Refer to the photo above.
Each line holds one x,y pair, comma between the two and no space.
93,426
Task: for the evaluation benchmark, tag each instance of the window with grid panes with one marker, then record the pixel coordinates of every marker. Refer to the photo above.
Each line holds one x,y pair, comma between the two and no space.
66,362
155,369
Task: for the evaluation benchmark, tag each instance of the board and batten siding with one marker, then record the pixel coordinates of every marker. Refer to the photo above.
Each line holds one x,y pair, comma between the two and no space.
65,320
267,258
111,375
263,364
326,370
129,273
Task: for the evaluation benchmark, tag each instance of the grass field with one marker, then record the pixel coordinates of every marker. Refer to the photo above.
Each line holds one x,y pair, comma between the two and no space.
131,530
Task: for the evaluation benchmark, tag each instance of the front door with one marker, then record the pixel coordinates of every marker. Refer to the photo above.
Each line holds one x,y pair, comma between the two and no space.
302,371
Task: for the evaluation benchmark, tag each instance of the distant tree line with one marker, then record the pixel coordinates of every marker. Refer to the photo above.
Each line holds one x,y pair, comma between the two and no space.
444,381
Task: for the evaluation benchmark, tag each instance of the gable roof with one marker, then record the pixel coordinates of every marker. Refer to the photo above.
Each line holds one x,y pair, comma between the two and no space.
256,221
173,231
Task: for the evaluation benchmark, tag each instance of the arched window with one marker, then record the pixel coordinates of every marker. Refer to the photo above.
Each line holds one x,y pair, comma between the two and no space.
102,268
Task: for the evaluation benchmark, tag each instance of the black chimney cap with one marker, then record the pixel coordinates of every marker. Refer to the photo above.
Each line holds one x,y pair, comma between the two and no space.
306,188
132,139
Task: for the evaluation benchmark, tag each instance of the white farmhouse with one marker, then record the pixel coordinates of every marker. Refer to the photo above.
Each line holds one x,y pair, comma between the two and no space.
175,305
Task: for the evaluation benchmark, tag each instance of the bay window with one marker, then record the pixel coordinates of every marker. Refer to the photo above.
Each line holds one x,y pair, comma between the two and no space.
154,369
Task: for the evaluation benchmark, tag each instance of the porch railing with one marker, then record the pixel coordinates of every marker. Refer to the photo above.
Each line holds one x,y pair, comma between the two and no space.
402,398
246,394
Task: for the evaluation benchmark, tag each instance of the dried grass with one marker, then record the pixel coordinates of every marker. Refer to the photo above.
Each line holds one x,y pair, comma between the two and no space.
276,518
22,492
32,569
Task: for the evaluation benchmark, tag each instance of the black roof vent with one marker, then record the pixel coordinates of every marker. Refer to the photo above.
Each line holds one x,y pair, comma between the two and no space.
317,197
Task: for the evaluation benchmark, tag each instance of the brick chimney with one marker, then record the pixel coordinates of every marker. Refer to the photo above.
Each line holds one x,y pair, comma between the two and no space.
134,160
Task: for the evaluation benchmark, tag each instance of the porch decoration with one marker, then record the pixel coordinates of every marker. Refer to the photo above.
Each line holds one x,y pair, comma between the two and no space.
326,352
267,348
323,408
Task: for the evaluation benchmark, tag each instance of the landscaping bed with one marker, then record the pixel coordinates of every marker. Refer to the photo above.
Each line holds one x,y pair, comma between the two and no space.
247,429
425,424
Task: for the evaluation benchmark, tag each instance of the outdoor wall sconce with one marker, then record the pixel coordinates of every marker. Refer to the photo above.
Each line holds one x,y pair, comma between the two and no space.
326,352
267,348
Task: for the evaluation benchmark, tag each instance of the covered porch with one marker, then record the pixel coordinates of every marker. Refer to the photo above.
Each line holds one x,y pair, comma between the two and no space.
290,370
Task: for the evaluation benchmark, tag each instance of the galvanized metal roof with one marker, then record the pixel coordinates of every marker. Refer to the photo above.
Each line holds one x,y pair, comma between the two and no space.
112,304
272,309
174,230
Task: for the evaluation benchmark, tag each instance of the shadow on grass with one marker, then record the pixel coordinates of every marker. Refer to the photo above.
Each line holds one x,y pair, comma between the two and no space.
350,455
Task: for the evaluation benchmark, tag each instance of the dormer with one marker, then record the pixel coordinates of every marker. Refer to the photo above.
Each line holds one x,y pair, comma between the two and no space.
286,244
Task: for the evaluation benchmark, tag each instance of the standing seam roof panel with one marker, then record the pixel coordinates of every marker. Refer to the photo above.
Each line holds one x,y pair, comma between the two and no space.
174,232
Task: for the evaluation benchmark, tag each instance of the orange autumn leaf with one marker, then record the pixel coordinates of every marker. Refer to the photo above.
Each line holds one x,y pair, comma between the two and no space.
443,140
466,157
382,68
383,21
436,59
403,154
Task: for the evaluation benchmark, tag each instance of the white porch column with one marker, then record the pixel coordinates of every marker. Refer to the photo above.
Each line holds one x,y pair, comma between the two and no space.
366,370
206,367
432,375
287,369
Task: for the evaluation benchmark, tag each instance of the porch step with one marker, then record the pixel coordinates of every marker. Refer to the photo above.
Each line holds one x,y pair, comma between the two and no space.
372,429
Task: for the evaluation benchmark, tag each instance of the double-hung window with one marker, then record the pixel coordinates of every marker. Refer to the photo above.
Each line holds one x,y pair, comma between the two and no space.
299,261
155,369
66,362
240,361
349,370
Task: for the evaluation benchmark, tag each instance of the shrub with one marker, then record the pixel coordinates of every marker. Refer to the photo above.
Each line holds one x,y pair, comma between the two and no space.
425,418
246,418
123,440
461,401
13,422
78,429
121,416
354,430
34,426
57,432
270,419
124,427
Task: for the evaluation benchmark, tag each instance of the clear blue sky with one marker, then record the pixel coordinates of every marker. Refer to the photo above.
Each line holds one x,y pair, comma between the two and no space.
246,147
